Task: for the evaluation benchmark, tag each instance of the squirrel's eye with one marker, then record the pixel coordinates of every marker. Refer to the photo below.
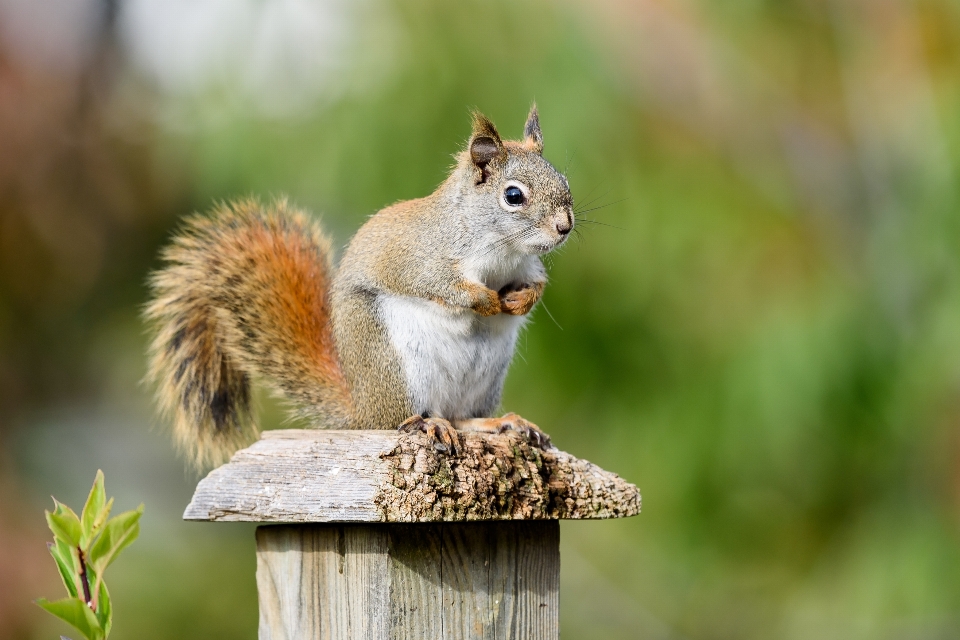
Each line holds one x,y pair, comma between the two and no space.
513,196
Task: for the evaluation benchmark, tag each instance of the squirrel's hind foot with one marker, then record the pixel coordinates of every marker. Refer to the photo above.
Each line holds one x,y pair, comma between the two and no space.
509,422
443,435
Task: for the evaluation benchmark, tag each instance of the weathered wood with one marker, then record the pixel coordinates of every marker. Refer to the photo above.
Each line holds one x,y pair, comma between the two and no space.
444,578
387,476
455,581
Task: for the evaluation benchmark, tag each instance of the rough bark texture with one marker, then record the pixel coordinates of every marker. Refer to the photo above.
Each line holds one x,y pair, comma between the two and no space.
386,476
451,581
498,477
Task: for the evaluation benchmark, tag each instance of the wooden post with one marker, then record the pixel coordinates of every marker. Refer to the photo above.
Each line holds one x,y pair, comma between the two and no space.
385,538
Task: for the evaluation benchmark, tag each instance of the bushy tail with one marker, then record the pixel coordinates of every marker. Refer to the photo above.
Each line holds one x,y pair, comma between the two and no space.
244,292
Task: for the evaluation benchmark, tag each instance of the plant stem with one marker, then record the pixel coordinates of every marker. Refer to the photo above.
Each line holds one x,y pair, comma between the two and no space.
85,581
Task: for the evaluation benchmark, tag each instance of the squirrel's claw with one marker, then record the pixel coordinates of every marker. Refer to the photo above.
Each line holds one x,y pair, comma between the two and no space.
530,431
444,436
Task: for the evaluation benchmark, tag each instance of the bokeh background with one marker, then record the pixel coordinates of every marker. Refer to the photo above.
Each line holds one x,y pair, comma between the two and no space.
761,328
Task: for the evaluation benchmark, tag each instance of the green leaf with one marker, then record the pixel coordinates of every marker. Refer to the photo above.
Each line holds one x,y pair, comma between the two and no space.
70,555
74,611
104,610
62,509
119,532
65,564
64,524
101,518
94,511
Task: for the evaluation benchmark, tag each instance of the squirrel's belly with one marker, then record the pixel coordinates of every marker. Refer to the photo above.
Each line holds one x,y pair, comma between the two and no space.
454,361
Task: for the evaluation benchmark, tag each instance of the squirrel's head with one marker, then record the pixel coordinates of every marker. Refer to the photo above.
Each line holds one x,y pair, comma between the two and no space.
517,195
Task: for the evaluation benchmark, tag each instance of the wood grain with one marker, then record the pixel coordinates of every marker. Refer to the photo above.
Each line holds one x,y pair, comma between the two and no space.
386,476
460,581
415,581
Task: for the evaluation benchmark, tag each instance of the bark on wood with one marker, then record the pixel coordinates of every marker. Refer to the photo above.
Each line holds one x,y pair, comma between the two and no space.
386,476
460,581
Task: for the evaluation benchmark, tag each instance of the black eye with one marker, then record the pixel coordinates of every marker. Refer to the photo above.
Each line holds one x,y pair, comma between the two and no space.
513,196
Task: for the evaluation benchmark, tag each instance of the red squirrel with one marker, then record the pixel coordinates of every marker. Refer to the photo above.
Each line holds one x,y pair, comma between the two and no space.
415,328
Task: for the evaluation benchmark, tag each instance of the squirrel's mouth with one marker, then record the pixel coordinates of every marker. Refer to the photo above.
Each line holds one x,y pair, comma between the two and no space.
546,247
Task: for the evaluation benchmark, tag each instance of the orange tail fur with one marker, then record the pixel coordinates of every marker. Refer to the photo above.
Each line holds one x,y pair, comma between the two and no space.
244,293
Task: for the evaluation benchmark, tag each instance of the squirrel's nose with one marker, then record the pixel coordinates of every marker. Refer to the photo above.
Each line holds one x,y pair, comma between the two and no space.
564,225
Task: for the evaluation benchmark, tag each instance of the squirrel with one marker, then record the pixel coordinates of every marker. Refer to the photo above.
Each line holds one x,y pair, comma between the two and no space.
414,329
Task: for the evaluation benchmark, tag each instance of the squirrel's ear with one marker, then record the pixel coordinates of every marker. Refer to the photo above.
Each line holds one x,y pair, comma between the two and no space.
485,143
532,137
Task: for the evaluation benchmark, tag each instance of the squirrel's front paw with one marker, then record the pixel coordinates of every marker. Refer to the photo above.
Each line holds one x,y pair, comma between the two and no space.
519,301
483,301
445,438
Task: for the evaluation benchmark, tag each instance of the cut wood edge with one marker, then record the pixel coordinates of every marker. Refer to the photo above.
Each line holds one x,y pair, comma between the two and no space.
292,476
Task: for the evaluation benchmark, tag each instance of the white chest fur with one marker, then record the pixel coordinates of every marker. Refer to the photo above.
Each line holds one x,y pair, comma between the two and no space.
454,361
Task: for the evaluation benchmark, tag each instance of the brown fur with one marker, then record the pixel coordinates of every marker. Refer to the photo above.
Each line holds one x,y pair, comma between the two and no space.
244,293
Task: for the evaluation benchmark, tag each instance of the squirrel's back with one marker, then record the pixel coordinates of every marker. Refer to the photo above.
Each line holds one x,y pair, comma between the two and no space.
243,293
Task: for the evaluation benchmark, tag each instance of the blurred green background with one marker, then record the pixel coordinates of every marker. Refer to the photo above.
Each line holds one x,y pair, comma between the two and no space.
762,332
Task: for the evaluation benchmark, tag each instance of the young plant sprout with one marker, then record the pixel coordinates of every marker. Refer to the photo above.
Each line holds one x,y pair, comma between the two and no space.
83,547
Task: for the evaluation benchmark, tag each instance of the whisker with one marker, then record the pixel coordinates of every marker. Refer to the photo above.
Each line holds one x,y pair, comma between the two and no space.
605,191
513,236
592,189
592,200
519,235
602,224
583,211
550,314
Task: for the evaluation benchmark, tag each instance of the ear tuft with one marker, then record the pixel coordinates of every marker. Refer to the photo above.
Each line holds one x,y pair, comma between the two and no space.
532,136
485,144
